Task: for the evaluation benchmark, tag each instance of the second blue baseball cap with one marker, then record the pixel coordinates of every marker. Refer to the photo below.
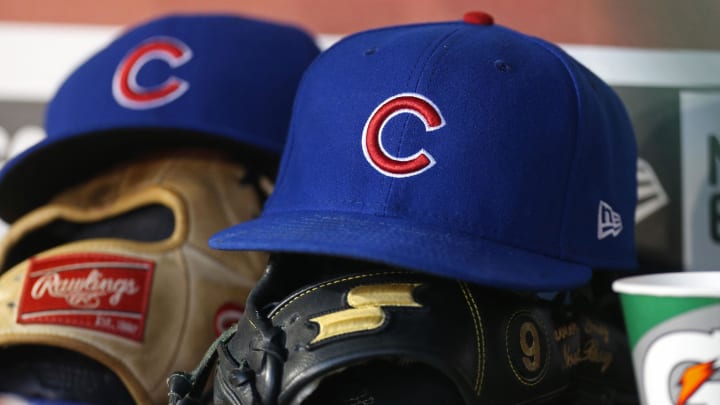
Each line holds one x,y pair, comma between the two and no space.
210,80
464,149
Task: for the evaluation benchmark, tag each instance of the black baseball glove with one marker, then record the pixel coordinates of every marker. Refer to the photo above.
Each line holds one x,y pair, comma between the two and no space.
325,331
603,371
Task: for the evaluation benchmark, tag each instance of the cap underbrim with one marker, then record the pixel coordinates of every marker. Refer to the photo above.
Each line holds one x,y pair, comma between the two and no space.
31,178
392,241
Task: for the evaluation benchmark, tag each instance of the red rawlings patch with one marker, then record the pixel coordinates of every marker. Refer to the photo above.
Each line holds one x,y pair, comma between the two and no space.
102,292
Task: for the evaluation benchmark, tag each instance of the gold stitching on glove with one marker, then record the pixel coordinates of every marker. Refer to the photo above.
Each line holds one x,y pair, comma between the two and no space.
479,336
329,283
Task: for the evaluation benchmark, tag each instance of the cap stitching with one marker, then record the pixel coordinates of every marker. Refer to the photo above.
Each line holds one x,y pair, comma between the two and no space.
558,255
465,233
563,245
437,46
290,138
447,219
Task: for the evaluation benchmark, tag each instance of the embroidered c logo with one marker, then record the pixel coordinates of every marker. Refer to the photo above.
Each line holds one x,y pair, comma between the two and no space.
130,94
373,148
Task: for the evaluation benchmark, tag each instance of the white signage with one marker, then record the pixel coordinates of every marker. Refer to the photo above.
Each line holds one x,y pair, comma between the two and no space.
700,165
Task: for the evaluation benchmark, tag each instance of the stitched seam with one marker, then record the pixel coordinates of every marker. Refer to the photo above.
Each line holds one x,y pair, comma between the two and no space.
455,220
304,293
185,322
415,90
471,237
507,350
477,324
576,140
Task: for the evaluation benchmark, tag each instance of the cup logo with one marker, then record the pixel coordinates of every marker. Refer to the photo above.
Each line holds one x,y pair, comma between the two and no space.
688,364
373,149
125,87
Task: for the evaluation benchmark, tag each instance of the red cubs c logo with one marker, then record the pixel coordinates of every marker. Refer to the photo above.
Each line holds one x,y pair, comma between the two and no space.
373,148
130,94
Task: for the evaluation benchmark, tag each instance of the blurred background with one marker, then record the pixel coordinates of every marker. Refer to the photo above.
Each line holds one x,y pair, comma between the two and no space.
662,57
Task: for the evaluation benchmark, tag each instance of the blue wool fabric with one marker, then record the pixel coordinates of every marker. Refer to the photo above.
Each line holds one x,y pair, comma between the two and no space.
466,150
186,79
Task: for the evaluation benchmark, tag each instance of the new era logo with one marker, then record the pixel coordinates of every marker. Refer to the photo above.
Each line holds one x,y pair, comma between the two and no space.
609,221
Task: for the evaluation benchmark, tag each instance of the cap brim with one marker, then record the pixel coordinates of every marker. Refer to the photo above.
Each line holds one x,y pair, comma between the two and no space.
392,241
31,178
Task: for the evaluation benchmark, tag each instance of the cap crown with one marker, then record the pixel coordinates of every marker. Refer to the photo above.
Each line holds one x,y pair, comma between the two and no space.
200,81
216,73
472,151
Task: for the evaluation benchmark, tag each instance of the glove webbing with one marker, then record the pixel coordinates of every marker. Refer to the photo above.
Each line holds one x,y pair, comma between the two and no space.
186,388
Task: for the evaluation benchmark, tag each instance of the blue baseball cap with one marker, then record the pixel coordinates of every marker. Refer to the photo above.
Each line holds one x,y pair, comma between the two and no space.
222,81
463,149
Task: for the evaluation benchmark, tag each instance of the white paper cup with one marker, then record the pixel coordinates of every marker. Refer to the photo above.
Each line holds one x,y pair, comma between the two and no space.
673,323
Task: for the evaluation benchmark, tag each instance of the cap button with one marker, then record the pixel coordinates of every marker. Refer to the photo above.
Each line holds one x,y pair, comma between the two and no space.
478,18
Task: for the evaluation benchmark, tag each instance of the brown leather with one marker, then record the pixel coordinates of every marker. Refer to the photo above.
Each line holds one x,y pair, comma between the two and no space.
190,282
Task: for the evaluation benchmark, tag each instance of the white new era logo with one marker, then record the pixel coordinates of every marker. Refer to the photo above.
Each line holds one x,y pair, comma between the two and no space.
609,221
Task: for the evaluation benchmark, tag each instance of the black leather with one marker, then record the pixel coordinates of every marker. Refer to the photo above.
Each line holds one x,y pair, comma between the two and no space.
55,374
442,342
604,373
473,345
